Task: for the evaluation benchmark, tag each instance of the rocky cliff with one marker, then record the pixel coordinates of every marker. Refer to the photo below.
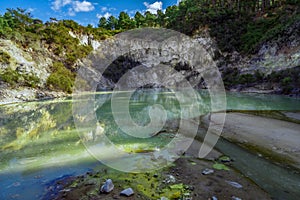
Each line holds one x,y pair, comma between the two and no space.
24,71
273,68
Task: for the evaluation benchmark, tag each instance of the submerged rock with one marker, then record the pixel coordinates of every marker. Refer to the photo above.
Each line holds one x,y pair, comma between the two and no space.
127,192
208,171
170,179
225,159
234,184
107,187
164,198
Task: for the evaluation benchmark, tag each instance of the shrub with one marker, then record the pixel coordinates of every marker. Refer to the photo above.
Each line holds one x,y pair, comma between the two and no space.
61,78
10,76
31,80
4,57
15,78
286,81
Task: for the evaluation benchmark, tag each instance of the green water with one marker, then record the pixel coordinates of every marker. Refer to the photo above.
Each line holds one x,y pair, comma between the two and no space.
39,141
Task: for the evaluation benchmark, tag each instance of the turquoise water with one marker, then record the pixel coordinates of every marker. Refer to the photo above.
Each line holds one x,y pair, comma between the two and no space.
39,141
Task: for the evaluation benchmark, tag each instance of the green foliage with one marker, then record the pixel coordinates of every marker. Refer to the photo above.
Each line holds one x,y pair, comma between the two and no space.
102,22
237,25
232,77
139,20
61,79
125,22
14,78
4,57
246,79
264,29
112,23
287,79
150,19
10,76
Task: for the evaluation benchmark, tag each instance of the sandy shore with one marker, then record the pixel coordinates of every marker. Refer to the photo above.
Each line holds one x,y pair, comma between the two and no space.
275,139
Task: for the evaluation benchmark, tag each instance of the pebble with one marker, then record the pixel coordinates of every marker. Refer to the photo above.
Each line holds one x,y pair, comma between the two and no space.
207,171
170,179
225,159
127,192
107,187
234,184
235,198
164,198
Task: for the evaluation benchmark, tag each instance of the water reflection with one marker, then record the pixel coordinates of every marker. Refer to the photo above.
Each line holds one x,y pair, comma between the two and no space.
37,135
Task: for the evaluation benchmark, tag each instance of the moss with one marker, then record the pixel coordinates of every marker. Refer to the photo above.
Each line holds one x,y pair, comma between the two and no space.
147,185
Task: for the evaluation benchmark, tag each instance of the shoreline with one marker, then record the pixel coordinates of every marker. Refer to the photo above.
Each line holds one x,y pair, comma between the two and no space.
12,96
273,137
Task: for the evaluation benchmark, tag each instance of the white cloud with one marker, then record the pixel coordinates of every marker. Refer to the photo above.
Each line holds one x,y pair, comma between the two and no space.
106,15
103,9
83,6
112,9
30,10
153,8
71,12
74,6
131,13
58,4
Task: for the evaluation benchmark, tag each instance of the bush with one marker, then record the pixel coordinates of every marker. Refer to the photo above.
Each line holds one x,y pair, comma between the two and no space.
10,76
61,78
31,81
14,78
286,81
246,79
4,57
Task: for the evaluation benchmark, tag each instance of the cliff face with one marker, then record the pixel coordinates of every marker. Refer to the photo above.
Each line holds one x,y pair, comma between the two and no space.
24,71
86,39
274,68
22,64
26,61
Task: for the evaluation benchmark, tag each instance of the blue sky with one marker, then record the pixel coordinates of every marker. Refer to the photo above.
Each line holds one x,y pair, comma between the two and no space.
84,11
